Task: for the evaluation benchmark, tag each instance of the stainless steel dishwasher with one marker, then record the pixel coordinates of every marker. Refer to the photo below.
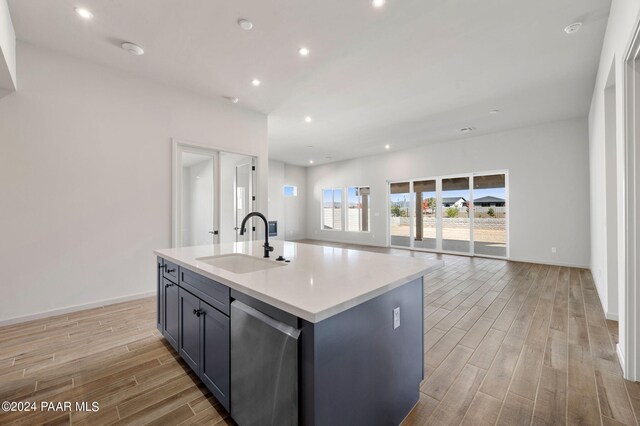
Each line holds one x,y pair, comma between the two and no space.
264,368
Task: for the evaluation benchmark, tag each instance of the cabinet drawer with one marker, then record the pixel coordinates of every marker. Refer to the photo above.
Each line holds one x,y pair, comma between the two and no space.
214,293
170,271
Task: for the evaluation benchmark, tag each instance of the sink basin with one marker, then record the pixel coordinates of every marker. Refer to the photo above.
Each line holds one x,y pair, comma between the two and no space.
240,263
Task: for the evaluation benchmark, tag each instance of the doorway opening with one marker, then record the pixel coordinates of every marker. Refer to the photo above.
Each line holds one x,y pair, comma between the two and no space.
212,192
611,191
629,294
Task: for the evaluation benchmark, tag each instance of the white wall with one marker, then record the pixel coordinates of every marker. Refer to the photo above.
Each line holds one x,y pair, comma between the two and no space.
276,197
622,21
85,177
290,212
295,208
548,180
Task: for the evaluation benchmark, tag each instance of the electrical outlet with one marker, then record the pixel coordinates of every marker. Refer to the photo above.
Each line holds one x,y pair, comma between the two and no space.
396,317
553,250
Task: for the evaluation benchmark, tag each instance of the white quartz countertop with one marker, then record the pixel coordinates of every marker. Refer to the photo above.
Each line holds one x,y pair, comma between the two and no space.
318,283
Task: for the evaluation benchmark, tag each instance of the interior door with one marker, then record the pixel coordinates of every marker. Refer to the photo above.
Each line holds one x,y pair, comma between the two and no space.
243,197
197,212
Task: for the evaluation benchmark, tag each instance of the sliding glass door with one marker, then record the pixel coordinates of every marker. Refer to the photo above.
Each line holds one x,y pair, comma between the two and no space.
400,214
490,215
456,225
424,193
464,214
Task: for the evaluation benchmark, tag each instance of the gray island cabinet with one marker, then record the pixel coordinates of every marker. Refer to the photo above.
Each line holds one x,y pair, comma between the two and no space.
339,353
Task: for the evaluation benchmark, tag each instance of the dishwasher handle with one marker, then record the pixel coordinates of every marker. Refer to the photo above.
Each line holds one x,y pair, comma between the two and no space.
283,328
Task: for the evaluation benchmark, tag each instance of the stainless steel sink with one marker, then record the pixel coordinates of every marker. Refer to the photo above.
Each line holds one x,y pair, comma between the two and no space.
240,263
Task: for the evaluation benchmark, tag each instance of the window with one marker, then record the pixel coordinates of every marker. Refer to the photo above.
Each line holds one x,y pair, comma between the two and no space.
358,208
332,209
290,191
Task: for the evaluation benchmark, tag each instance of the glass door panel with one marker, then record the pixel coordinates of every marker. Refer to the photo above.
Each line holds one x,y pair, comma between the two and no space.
425,214
490,215
454,206
399,214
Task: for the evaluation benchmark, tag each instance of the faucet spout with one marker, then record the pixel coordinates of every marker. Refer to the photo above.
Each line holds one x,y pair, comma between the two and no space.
267,247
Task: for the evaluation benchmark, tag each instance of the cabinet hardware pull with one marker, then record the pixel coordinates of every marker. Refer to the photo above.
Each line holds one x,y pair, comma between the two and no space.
198,312
169,285
169,271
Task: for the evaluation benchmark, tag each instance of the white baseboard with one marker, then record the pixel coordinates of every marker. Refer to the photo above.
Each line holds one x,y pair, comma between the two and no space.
607,314
327,240
620,355
611,316
545,262
69,309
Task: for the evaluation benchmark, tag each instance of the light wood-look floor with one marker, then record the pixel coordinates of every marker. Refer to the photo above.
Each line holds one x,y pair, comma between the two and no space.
505,343
513,343
112,355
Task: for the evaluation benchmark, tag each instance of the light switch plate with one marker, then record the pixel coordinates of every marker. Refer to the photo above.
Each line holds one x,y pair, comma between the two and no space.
396,317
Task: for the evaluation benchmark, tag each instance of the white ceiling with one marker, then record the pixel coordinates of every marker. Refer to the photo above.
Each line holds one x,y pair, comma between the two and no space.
410,73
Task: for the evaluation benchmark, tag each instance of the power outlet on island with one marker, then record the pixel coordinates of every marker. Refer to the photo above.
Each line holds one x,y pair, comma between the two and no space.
553,250
396,317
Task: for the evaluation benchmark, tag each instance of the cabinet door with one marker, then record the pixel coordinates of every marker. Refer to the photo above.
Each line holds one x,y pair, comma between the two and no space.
215,353
190,315
171,302
160,296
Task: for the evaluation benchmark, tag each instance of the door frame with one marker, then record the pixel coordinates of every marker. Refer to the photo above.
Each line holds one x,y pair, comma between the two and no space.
252,193
629,352
177,147
438,180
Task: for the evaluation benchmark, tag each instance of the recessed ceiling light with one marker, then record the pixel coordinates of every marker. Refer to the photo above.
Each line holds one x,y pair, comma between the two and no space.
494,111
84,13
387,146
232,99
304,51
256,82
467,129
328,157
309,146
245,24
133,48
573,28
307,119
378,3
310,161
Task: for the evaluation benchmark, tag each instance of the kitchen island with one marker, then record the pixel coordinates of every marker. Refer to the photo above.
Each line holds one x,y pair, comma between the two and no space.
334,336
